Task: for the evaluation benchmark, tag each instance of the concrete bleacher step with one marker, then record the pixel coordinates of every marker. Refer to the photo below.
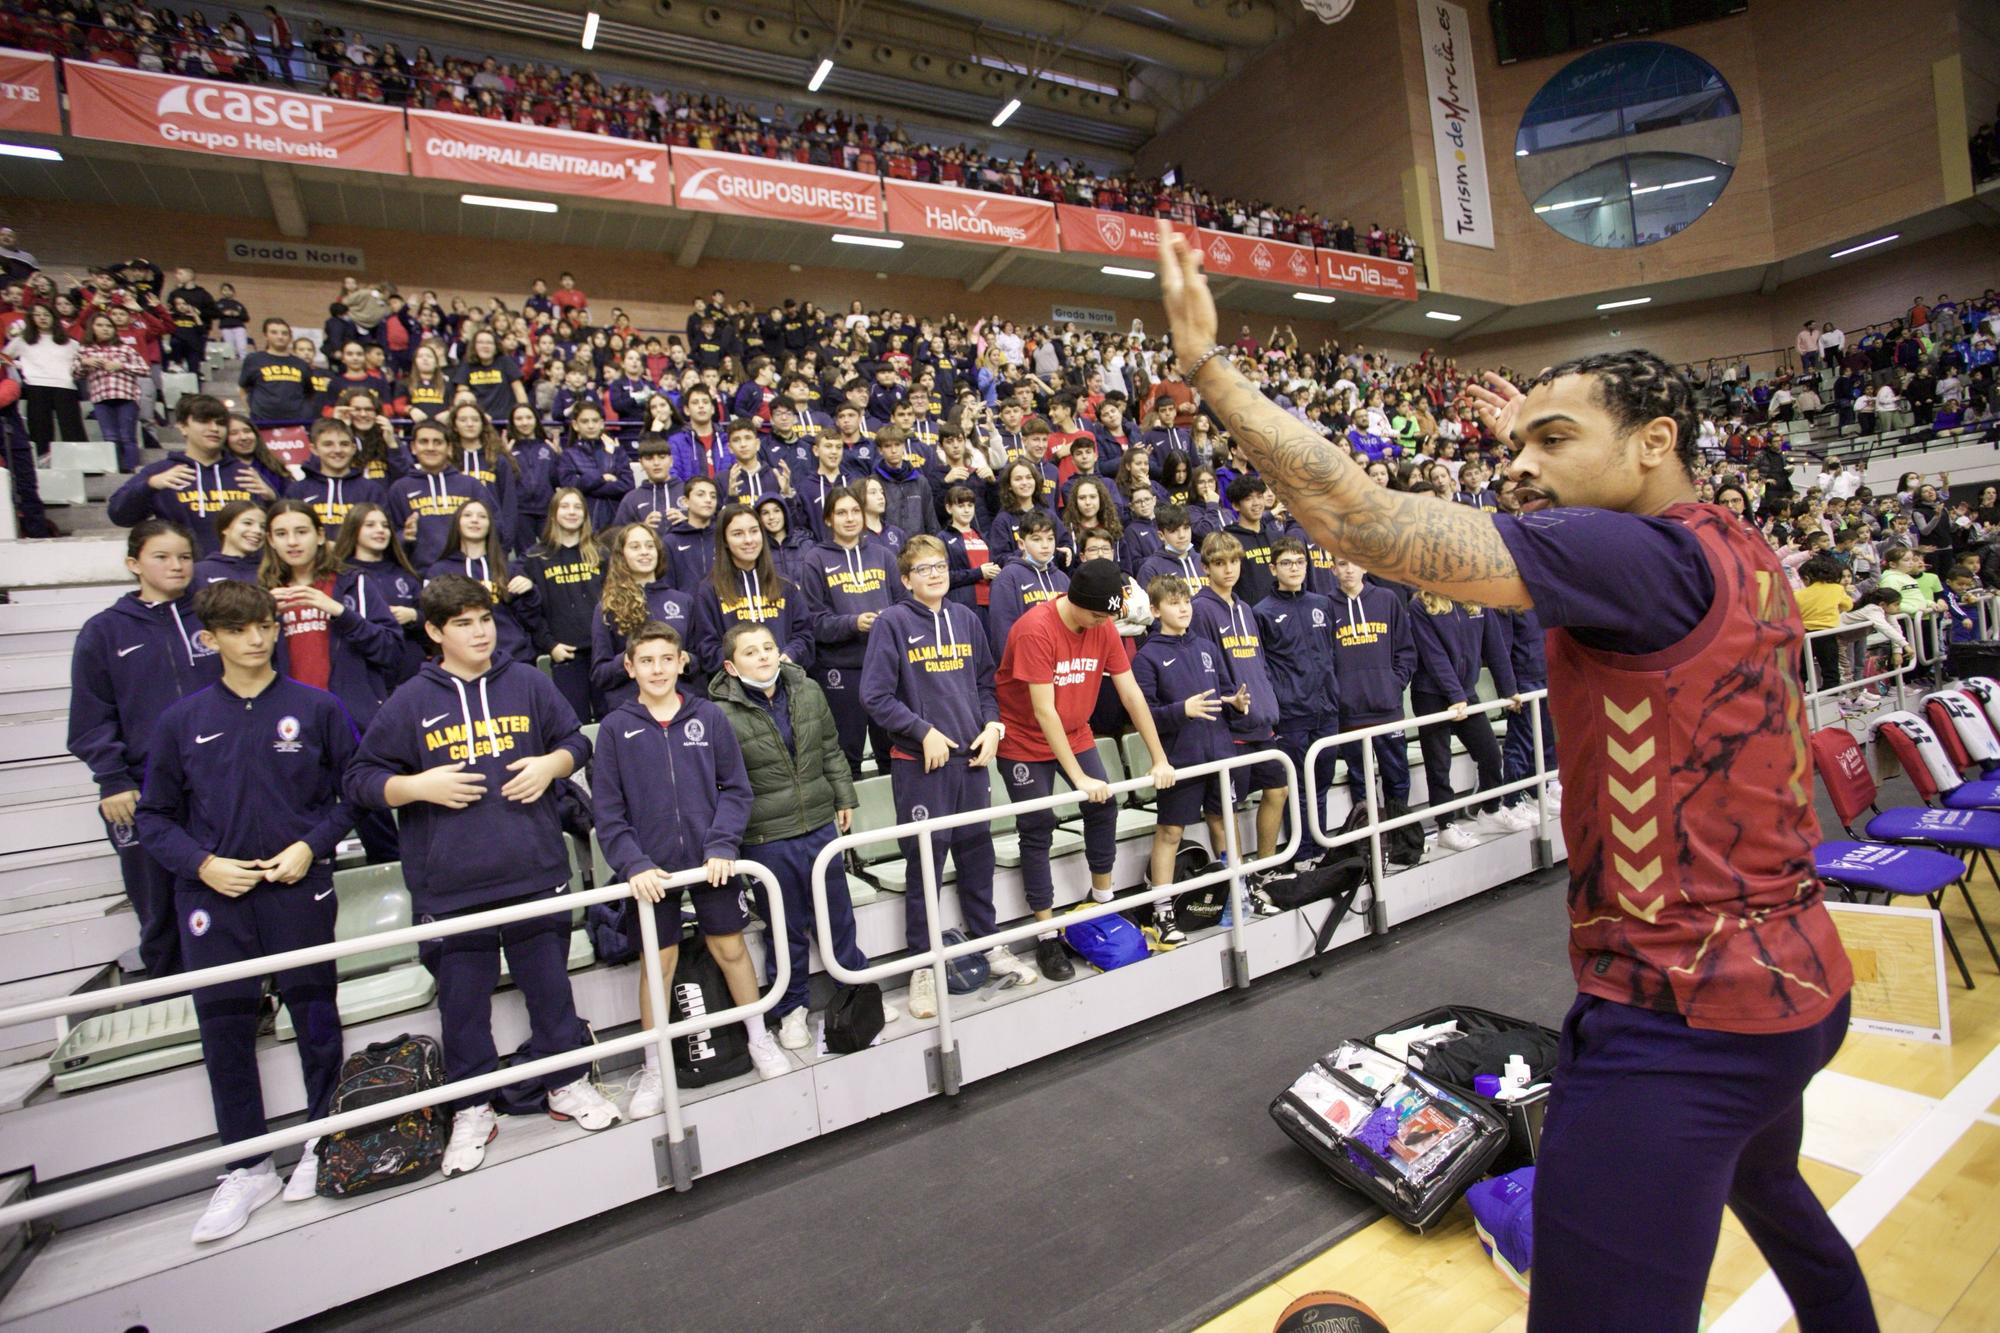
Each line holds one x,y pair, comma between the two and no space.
89,932
49,876
33,683
95,595
60,820
50,627
61,487
36,1040
41,733
95,458
26,779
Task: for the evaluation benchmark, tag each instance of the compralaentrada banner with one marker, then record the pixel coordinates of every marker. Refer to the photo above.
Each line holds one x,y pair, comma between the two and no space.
278,125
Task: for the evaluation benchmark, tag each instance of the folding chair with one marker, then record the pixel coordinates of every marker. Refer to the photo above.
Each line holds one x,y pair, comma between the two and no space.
1963,833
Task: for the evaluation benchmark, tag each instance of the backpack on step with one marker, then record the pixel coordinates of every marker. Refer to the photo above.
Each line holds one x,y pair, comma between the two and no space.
712,1054
391,1152
1400,846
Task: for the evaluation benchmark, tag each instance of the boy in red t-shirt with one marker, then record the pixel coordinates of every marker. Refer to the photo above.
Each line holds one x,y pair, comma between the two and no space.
1056,658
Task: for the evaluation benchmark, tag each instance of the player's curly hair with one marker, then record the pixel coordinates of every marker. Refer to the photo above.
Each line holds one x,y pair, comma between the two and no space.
1635,387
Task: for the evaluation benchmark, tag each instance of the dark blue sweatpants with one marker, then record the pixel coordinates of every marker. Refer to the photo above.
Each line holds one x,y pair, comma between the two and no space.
951,790
1027,780
216,929
467,968
791,860
149,886
1652,1127
1517,748
841,682
1392,757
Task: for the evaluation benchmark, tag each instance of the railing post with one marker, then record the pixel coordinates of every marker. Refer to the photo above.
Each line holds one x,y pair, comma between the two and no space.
1378,911
1545,850
1239,954
946,1070
675,1157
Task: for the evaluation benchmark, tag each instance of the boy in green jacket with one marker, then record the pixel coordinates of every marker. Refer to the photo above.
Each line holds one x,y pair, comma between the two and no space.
801,791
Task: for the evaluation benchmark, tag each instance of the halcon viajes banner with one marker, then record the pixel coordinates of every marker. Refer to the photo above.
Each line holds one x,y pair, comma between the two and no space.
952,214
1466,210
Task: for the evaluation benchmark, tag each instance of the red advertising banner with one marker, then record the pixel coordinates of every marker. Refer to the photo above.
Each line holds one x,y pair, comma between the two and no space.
28,93
709,182
1094,231
203,116
953,214
1253,257
528,157
1366,275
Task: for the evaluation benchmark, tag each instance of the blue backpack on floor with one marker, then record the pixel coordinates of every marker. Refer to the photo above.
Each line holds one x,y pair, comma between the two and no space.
1107,941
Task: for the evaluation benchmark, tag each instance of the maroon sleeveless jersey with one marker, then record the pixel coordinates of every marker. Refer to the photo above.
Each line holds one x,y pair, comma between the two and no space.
1687,807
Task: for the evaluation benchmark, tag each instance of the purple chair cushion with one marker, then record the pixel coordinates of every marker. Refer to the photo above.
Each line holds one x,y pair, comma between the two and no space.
1881,868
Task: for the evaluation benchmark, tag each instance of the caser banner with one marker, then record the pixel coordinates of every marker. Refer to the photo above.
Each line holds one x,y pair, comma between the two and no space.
28,93
203,116
1254,257
527,157
1090,231
1365,275
952,214
709,182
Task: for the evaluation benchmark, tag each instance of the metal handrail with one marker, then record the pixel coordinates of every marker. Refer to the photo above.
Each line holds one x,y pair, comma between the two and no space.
661,1035
939,953
1376,826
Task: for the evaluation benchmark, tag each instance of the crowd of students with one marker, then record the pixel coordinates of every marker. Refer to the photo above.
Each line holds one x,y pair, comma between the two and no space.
356,67
951,547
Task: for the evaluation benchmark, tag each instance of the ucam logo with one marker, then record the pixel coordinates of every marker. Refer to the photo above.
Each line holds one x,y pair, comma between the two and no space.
1111,226
240,107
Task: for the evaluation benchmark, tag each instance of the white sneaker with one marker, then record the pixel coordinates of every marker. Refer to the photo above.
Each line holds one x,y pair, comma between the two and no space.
241,1193
889,1013
304,1182
764,1052
1555,787
1455,838
794,1031
923,994
1523,816
649,1095
1009,970
471,1130
1488,825
582,1102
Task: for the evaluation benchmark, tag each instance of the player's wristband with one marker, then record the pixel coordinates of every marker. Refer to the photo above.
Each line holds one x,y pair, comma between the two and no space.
1201,361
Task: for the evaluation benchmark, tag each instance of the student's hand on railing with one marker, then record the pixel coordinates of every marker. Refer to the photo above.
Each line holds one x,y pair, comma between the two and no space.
1162,775
532,777
119,809
1458,711
448,785
985,746
230,877
290,865
721,870
1096,790
650,885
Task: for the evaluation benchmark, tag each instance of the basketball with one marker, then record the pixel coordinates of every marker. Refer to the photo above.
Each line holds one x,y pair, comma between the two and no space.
1328,1312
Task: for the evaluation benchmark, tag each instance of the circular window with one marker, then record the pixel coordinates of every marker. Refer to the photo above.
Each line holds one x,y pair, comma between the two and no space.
1628,145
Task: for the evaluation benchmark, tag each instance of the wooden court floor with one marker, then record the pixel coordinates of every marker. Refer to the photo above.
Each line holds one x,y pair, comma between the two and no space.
1933,1261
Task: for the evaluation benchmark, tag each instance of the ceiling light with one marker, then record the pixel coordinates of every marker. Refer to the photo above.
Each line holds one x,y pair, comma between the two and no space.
879,242
1317,298
1620,305
30,151
590,30
1114,271
1444,315
819,75
1569,203
1867,245
495,201
1013,105
1520,152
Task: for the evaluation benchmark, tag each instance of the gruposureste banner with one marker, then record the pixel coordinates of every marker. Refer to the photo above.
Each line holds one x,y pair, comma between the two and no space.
28,93
528,157
1466,207
710,182
953,214
230,119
